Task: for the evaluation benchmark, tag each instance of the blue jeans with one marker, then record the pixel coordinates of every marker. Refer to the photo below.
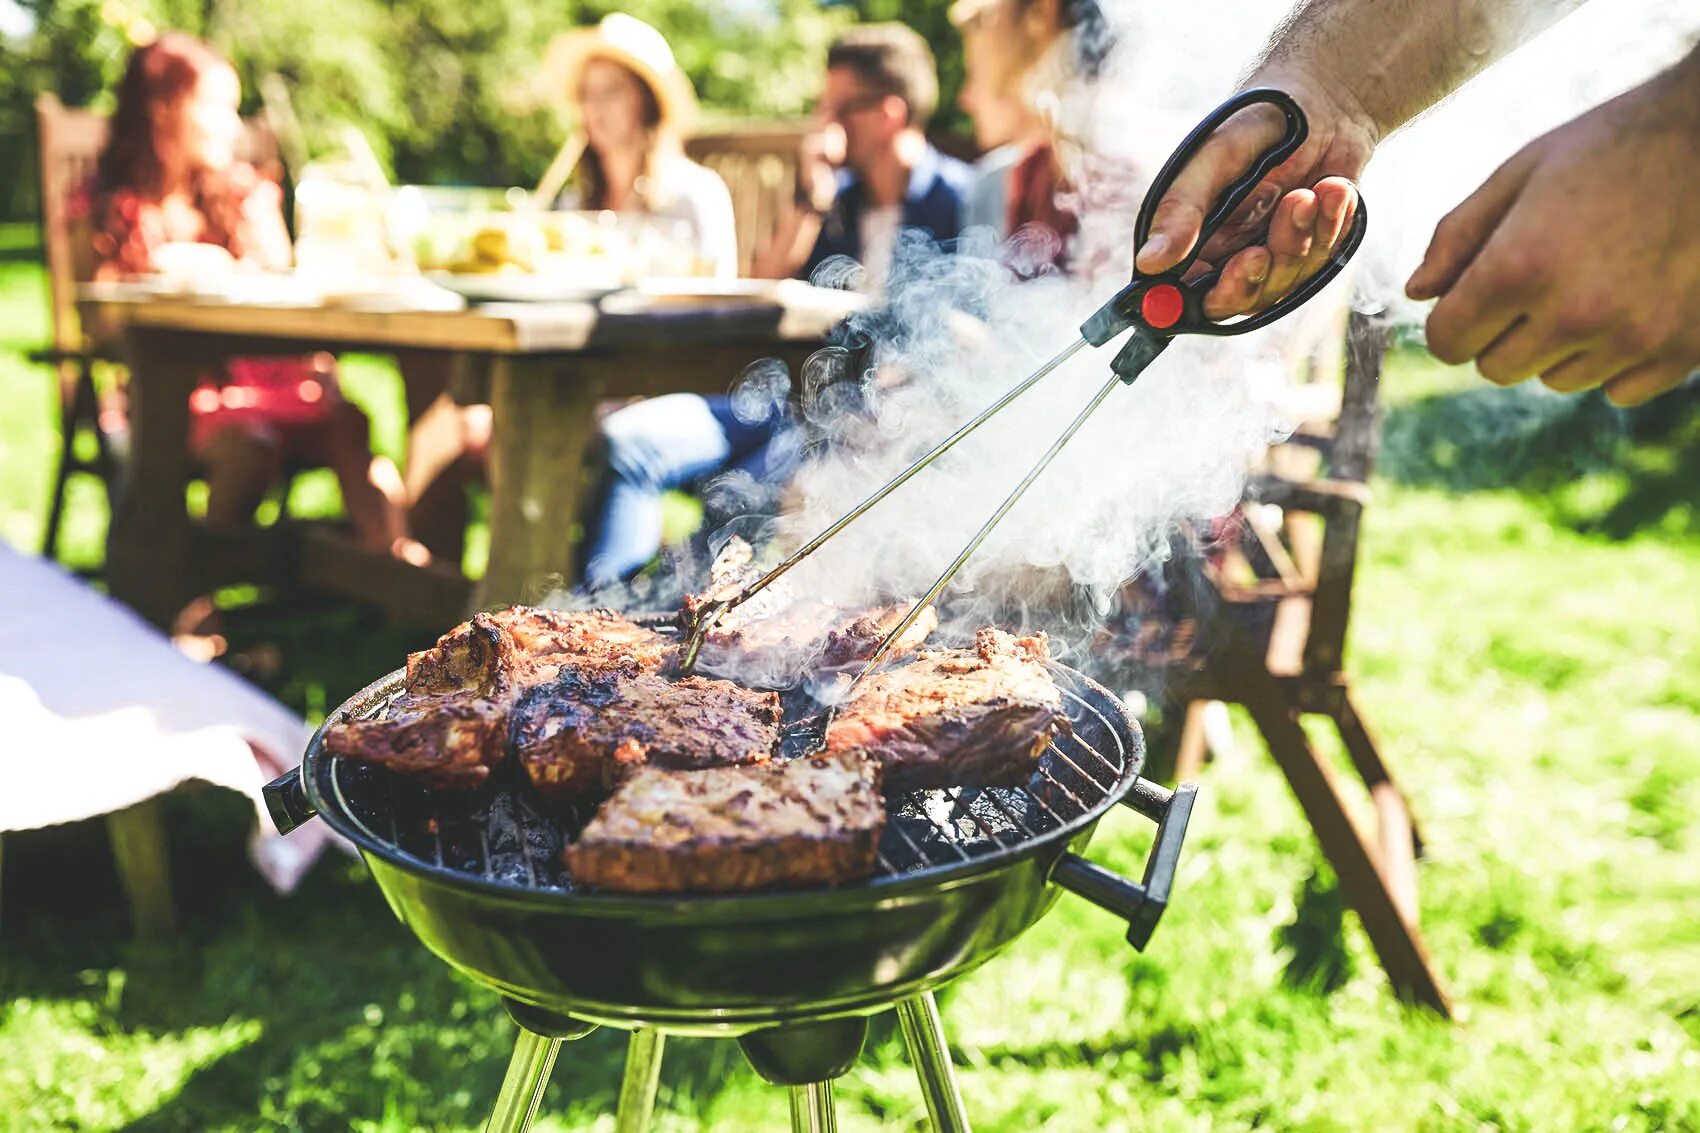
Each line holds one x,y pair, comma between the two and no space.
670,442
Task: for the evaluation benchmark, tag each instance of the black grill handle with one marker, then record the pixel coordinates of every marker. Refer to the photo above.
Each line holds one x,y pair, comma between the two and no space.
1141,905
287,801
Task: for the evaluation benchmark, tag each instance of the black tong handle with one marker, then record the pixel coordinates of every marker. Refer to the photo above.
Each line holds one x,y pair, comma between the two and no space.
1167,304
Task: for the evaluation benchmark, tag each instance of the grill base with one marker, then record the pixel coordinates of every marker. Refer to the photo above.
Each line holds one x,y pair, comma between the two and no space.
806,1057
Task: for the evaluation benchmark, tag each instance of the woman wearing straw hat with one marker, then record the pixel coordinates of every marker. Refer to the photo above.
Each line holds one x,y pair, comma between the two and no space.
635,107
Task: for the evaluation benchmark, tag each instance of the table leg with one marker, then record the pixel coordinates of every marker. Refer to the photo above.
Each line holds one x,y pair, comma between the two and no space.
544,424
148,543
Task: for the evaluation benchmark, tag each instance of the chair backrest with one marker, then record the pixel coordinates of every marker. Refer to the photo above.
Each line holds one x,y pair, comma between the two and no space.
759,166
1351,459
69,143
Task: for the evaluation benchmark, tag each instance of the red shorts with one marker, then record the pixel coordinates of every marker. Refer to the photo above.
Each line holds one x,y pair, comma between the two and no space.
291,398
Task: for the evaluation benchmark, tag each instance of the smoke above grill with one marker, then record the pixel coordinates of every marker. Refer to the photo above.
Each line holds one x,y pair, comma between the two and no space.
1177,445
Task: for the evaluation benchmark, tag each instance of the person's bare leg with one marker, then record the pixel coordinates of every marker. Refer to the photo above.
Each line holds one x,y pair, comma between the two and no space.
439,510
240,462
372,491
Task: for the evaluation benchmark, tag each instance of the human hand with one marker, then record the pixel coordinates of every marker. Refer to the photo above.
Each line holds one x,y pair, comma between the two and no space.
1306,204
818,162
1579,259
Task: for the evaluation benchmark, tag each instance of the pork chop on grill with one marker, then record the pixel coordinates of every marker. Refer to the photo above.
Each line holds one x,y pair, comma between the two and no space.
450,728
448,742
956,717
500,653
809,821
586,730
773,639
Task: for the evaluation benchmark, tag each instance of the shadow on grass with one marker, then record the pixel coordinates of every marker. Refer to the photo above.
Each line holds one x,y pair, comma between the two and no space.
1543,444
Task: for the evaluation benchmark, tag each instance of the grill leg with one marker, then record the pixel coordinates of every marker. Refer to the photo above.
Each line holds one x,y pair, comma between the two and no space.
522,1089
637,1087
811,1109
923,1034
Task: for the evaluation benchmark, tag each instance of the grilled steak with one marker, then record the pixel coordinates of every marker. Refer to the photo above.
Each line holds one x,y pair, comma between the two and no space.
772,640
451,727
448,742
811,821
956,717
588,728
502,652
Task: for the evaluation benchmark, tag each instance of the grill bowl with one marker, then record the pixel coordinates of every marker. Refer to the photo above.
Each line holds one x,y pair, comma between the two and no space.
727,964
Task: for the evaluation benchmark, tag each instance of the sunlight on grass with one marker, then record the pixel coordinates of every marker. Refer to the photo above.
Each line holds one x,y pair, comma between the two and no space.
1525,644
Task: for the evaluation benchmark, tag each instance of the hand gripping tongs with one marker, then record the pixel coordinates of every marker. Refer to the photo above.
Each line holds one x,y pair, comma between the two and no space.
1156,308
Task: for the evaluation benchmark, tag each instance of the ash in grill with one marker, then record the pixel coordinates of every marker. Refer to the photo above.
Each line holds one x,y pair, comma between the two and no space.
505,833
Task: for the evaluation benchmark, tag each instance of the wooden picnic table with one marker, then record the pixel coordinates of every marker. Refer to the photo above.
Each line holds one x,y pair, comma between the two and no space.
550,364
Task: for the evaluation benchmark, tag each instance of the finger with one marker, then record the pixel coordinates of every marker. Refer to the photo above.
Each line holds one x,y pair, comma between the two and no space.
1288,240
1240,287
1528,347
1480,306
1580,371
1293,241
1640,384
1463,231
1179,216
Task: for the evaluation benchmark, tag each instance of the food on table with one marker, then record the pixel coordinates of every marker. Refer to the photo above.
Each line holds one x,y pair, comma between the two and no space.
811,821
591,726
956,717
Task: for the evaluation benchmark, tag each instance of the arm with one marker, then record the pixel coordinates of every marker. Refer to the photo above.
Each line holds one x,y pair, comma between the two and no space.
1360,69
1579,259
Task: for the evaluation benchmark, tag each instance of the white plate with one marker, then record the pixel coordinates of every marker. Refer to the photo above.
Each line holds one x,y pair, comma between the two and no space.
514,287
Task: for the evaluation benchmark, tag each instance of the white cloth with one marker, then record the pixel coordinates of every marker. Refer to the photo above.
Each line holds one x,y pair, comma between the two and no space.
880,227
99,711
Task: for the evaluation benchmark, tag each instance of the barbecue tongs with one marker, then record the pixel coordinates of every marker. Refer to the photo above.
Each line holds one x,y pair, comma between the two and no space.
1155,307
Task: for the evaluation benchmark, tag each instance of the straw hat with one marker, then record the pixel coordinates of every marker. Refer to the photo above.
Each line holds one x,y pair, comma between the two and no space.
635,45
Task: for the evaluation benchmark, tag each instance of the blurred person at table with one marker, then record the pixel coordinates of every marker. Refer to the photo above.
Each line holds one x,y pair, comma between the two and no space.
169,196
635,107
867,173
880,90
1015,52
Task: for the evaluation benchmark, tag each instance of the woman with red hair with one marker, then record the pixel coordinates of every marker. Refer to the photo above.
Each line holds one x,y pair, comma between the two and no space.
169,195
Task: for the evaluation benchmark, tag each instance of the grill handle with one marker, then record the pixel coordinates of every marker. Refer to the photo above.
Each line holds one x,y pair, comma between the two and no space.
287,801
1141,905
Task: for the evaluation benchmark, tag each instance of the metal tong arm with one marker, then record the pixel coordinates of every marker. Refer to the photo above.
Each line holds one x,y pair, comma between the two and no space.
710,614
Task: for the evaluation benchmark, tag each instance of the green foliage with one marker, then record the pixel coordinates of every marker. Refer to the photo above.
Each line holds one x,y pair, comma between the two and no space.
447,92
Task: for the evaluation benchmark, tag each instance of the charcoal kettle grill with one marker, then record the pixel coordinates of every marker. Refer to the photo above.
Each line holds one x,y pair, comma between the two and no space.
792,975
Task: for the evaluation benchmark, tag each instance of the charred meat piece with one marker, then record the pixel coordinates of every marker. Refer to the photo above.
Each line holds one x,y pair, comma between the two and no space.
448,742
773,640
587,729
956,717
855,640
810,821
502,652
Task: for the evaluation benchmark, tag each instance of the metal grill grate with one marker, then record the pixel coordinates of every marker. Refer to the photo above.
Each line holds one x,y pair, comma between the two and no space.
505,834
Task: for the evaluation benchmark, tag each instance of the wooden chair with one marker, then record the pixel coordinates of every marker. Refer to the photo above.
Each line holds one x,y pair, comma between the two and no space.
1274,608
70,141
759,166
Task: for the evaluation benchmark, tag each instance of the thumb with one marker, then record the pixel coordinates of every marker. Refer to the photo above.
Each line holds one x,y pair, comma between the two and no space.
1179,216
1462,232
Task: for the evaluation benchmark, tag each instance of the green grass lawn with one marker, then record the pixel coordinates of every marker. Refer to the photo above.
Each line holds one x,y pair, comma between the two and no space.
1528,654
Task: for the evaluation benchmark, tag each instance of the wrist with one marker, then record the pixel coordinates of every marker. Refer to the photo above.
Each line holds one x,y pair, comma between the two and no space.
1347,130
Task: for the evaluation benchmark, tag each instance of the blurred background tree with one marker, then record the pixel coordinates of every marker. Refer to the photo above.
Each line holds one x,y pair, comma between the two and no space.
447,92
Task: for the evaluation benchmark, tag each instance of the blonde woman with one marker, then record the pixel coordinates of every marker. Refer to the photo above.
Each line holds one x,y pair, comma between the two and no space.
635,107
